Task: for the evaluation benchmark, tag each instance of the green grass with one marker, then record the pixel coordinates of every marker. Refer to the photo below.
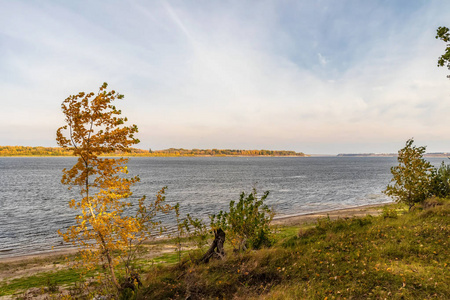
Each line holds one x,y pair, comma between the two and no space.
168,258
35,262
397,255
67,277
42,280
394,256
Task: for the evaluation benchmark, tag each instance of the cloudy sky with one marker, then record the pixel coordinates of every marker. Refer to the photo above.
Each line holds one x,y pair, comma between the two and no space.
312,76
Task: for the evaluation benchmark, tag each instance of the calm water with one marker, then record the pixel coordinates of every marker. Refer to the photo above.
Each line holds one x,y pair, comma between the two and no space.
33,202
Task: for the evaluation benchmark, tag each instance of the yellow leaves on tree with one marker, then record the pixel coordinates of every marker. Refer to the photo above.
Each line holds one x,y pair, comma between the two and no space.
105,234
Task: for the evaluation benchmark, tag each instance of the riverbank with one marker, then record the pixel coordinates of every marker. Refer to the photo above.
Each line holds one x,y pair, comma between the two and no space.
27,265
400,254
351,257
293,220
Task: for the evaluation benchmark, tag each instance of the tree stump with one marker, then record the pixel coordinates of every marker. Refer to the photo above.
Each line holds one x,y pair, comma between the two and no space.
131,282
216,250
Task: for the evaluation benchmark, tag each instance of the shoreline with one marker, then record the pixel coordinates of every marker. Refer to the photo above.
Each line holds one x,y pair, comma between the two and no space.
348,212
38,256
290,220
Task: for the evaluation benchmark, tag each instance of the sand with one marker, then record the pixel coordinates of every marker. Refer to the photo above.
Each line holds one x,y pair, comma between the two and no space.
22,266
358,211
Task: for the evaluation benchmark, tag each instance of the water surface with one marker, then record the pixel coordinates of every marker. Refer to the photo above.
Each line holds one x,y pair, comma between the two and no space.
33,202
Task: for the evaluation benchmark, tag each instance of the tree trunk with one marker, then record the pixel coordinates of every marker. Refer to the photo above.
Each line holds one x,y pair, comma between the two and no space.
111,269
107,254
216,249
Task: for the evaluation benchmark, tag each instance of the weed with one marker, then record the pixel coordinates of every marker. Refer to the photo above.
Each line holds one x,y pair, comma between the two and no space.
389,212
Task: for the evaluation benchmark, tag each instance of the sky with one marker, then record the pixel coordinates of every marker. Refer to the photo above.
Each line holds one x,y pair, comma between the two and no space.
320,77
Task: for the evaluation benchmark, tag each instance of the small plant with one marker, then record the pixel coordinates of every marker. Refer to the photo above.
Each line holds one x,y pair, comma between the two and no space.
180,230
197,230
51,286
191,228
247,221
432,202
389,212
323,224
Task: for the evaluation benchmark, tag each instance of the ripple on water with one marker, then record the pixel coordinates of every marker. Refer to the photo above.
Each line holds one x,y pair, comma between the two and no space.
34,202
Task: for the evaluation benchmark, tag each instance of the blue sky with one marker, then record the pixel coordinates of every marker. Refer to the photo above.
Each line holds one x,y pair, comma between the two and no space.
312,76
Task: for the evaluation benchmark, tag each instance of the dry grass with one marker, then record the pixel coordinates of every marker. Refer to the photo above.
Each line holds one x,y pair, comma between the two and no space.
394,256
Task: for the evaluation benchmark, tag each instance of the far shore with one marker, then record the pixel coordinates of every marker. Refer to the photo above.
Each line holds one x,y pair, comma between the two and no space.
294,220
131,155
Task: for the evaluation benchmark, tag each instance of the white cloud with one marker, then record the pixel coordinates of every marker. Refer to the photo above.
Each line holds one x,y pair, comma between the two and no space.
222,77
323,61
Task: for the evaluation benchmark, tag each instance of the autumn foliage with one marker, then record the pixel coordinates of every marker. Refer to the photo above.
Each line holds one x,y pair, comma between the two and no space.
33,151
104,232
171,152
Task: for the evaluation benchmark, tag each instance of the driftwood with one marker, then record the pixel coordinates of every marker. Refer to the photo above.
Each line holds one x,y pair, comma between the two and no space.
216,250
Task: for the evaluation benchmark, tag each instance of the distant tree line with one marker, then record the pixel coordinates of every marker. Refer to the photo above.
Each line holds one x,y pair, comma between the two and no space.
431,154
33,151
223,152
59,151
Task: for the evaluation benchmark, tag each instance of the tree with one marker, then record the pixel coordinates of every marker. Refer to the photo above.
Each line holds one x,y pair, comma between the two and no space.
103,231
441,181
444,35
247,222
411,179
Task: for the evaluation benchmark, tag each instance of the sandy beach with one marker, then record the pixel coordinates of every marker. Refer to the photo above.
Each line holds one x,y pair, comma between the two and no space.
21,266
357,211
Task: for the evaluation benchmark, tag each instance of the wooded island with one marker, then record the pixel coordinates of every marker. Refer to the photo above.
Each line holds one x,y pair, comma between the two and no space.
171,152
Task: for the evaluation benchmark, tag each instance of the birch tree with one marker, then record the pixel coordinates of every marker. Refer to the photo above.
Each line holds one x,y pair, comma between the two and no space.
105,234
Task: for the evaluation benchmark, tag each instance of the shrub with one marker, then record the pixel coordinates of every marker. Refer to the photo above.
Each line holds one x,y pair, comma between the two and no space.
389,212
411,179
432,202
441,181
247,222
435,207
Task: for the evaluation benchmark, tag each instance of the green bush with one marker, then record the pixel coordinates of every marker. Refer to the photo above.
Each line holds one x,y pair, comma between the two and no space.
389,212
411,181
247,222
441,181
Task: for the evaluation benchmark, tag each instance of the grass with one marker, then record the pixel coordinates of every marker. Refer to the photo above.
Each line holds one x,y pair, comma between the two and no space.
397,255
394,256
50,281
46,281
35,262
